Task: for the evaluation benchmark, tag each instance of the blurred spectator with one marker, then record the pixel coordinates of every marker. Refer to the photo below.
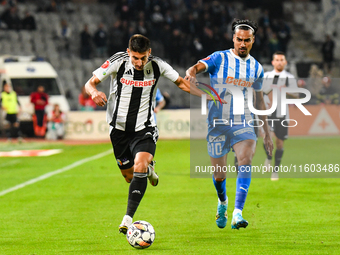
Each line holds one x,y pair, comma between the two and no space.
328,94
264,20
100,41
167,100
56,120
85,101
40,100
259,44
124,10
283,34
314,81
141,28
116,38
10,104
63,35
328,53
85,43
28,22
11,18
302,84
274,45
176,47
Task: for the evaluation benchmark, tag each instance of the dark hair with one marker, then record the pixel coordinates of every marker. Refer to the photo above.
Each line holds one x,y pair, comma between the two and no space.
139,43
279,53
246,23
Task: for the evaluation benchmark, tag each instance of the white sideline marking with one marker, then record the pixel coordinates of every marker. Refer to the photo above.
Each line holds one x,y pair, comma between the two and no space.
61,170
12,162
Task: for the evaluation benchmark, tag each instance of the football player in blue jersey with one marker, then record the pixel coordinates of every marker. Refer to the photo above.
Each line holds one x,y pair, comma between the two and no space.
231,70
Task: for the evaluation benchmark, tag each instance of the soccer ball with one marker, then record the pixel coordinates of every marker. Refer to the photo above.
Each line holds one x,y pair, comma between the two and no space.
140,234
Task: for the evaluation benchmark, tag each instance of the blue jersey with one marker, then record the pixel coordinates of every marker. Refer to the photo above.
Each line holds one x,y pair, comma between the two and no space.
227,69
159,96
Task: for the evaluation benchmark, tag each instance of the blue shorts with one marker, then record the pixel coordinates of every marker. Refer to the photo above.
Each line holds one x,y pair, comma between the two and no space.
222,138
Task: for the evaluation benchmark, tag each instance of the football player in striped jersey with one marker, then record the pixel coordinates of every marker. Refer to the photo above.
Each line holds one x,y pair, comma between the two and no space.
130,113
278,78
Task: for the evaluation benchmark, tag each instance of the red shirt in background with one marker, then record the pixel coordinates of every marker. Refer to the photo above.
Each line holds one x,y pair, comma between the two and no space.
39,99
86,102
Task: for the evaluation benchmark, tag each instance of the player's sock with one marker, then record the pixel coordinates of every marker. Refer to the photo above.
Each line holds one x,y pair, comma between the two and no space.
278,157
268,156
242,185
136,192
221,190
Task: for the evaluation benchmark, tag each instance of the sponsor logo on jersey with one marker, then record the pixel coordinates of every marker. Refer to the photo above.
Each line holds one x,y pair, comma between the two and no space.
239,82
138,83
106,64
220,138
207,58
122,162
128,72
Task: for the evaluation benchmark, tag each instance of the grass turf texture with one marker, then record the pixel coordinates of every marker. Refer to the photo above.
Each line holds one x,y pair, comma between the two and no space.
78,211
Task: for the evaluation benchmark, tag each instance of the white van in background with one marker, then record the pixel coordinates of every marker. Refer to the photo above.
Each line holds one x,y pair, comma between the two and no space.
25,74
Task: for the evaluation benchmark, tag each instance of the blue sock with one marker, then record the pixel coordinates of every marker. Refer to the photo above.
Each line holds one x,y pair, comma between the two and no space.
221,189
242,185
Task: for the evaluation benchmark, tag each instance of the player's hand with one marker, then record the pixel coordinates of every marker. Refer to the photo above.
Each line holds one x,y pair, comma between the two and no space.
268,144
99,98
209,98
190,75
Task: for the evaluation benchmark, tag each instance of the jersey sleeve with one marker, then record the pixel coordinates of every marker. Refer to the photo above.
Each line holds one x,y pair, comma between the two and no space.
109,67
292,83
266,87
167,71
257,86
211,61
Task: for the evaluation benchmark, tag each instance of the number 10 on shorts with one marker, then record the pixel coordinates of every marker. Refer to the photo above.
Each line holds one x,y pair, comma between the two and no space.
215,149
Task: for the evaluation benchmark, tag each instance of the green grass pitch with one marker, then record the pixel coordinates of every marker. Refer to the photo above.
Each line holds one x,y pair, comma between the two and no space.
78,211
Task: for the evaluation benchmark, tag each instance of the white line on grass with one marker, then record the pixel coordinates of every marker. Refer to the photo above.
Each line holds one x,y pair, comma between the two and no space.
9,163
61,170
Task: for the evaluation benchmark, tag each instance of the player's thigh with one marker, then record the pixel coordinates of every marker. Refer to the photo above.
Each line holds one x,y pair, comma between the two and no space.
281,132
243,140
11,119
120,142
144,141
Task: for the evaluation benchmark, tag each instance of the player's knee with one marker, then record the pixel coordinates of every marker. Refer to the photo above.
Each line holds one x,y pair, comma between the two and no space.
217,179
141,166
245,159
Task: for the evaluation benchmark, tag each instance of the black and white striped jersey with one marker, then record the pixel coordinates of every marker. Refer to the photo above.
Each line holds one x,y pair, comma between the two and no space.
274,79
132,92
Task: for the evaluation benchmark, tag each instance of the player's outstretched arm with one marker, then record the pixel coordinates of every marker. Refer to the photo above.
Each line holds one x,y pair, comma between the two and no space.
191,81
268,142
97,96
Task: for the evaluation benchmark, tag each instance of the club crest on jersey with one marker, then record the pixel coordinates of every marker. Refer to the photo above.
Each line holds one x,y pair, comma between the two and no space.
134,83
148,71
106,64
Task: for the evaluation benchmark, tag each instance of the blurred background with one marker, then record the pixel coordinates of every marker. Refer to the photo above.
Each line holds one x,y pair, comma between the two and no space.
76,37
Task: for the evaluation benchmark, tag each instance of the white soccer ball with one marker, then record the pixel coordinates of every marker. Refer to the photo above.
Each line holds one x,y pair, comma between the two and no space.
140,234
